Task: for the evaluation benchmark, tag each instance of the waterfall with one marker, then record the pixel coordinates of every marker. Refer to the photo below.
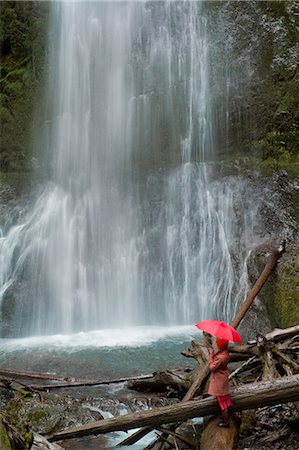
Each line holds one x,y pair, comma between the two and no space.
132,226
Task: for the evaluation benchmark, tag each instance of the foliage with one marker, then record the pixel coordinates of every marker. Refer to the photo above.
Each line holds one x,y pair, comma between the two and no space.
23,28
261,46
259,50
281,294
277,103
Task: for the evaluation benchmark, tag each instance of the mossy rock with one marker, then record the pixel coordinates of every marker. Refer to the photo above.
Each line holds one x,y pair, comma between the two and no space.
23,37
285,300
48,414
4,438
248,422
281,292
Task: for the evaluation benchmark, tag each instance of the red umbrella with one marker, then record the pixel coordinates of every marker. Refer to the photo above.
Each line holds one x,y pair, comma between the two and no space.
219,329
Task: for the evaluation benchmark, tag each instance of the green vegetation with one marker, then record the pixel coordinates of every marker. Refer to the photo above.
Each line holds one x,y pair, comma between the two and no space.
4,438
285,302
281,293
23,32
264,116
19,436
260,58
277,102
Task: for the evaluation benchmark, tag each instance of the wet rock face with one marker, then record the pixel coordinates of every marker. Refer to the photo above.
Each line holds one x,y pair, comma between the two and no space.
10,203
276,210
255,322
277,303
279,296
257,43
5,397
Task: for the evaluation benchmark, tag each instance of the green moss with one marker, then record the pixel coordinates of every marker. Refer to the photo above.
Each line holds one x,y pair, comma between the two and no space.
274,8
4,438
286,312
23,36
37,415
22,391
283,302
19,181
248,422
28,438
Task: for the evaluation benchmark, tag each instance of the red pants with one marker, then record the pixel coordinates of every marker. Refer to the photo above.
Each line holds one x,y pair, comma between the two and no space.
224,401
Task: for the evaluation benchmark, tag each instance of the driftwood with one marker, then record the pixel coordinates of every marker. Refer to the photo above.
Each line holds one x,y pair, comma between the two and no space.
275,255
203,371
40,442
25,390
279,334
166,431
269,360
224,439
136,436
209,438
248,396
244,308
162,380
12,437
63,382
40,376
272,357
281,341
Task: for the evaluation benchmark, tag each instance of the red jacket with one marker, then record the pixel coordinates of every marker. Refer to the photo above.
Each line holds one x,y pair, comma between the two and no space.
219,374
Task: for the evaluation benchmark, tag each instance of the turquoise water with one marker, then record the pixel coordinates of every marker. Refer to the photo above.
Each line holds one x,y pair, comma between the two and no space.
100,354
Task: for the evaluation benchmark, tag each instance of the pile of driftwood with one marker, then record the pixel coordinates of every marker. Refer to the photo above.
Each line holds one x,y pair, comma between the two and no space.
266,372
270,362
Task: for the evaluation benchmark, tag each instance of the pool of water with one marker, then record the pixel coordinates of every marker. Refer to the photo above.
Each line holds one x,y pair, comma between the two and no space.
100,354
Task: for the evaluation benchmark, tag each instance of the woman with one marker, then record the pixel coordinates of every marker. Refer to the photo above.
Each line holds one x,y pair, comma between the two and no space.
219,385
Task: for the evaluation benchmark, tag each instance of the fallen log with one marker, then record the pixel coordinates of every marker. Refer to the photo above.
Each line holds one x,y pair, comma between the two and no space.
247,396
224,439
179,380
135,437
40,376
242,311
205,370
6,383
275,255
182,438
248,364
279,334
41,443
64,382
237,352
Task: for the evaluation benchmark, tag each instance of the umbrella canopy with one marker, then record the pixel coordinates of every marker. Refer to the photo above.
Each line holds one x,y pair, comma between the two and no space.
219,329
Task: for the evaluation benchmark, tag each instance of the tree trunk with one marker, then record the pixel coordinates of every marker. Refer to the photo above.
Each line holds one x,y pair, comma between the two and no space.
245,397
279,334
64,381
224,439
258,285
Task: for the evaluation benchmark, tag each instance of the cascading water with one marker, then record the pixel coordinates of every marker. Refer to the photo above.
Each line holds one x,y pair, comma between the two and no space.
132,229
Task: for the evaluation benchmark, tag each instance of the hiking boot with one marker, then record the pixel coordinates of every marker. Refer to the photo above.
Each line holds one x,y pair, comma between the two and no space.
223,424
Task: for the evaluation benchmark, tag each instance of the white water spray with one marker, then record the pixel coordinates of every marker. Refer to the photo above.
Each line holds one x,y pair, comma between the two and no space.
131,230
